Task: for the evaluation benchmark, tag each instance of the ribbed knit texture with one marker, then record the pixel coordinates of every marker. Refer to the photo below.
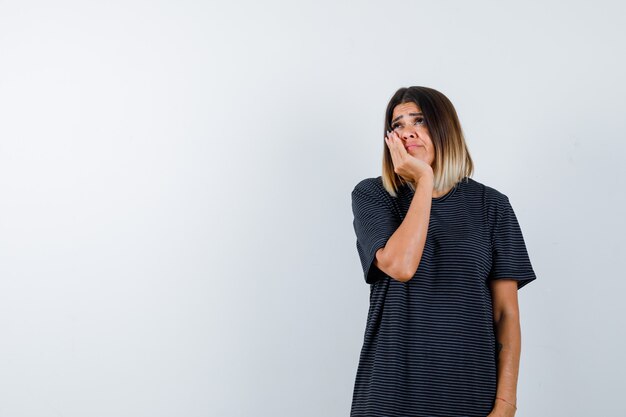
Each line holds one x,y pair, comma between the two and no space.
429,344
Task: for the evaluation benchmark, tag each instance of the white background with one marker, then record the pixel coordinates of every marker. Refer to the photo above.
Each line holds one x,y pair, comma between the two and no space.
175,225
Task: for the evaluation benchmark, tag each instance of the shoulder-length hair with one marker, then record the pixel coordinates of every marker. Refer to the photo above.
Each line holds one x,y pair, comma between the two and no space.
452,158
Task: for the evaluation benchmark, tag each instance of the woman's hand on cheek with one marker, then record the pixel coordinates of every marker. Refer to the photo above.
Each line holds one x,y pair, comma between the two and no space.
405,164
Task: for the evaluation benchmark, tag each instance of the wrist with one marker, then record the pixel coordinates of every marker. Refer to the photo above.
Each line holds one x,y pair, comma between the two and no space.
503,403
422,178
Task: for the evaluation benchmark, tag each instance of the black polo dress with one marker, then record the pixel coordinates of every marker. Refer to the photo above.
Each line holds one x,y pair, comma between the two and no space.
429,348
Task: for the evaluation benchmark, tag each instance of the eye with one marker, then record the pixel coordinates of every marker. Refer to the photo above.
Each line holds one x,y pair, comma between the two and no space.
418,122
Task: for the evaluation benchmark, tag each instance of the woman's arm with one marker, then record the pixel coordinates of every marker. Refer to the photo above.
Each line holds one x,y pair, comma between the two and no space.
400,257
508,336
403,251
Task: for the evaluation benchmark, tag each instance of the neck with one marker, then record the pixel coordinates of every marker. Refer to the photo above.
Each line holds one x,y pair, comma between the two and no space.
436,193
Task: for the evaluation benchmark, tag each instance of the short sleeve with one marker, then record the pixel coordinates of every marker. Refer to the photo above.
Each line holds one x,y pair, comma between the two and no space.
510,258
374,223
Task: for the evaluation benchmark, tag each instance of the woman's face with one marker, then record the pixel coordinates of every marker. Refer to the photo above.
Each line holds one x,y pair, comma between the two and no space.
408,122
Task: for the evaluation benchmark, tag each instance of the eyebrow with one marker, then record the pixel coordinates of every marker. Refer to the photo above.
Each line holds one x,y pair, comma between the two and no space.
401,116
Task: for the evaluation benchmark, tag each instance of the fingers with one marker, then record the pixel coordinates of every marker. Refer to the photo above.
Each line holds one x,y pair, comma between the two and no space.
393,148
398,140
396,147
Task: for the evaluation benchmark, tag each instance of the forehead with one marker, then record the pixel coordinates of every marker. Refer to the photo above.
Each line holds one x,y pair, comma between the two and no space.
404,109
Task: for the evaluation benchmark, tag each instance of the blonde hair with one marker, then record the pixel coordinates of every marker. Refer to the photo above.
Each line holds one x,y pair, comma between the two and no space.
452,160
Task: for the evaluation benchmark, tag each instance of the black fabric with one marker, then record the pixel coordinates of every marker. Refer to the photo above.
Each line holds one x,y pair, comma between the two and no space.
510,258
374,223
429,344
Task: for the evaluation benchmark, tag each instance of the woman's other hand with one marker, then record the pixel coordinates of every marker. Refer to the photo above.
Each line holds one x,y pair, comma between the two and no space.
405,164
502,410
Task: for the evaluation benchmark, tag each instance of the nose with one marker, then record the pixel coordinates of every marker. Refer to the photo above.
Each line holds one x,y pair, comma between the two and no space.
408,133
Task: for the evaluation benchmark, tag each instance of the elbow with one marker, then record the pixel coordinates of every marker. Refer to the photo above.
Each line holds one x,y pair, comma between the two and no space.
502,314
408,274
405,273
400,271
396,273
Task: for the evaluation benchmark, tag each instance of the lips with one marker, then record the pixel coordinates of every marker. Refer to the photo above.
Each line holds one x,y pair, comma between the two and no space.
412,146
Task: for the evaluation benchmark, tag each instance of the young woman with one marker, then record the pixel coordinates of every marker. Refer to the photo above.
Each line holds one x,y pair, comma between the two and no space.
444,256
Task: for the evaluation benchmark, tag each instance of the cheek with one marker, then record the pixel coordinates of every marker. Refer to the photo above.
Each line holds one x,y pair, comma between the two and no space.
431,152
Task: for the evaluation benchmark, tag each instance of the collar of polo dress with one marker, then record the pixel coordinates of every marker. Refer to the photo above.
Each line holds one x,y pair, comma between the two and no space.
441,197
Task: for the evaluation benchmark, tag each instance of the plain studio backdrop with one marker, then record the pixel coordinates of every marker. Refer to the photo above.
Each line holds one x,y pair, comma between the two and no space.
176,231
